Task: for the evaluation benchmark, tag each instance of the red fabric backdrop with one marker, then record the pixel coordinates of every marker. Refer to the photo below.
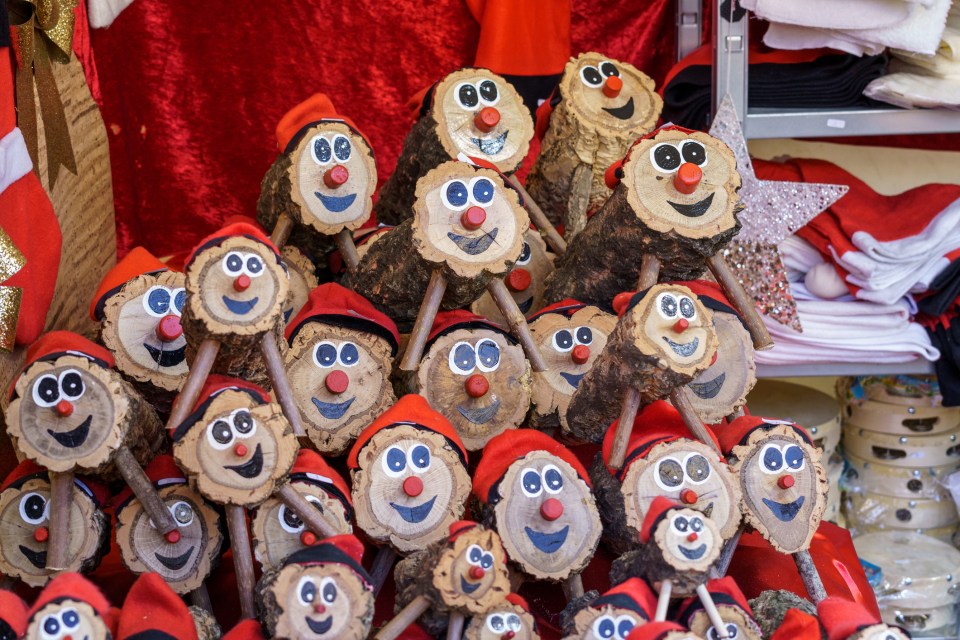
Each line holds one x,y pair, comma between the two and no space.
192,91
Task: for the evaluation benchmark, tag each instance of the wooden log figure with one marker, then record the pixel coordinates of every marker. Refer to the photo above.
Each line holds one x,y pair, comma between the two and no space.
599,109
72,412
69,606
732,606
466,234
475,374
321,185
613,615
662,631
664,338
541,504
454,579
676,205
138,305
510,619
471,112
363,239
278,531
847,620
321,592
184,561
303,280
526,281
410,480
151,609
339,363
570,336
24,524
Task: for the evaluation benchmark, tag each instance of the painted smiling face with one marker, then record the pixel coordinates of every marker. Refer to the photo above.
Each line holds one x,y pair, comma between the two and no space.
526,281
504,622
686,471
67,618
547,517
604,623
724,385
688,540
479,380
679,326
610,93
410,487
472,573
323,601
739,625
784,486
302,279
465,217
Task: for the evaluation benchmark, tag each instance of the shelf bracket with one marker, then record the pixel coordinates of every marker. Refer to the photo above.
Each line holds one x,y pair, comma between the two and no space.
730,46
689,26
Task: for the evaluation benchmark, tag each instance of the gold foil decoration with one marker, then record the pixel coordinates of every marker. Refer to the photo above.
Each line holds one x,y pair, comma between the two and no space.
11,261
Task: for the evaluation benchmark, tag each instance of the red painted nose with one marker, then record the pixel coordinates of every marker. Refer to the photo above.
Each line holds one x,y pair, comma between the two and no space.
240,450
785,481
413,486
335,176
692,536
612,86
319,608
518,279
477,385
173,537
687,178
40,534
65,408
241,282
336,382
681,325
477,573
473,218
308,538
509,635
580,354
486,119
621,300
689,496
169,329
551,509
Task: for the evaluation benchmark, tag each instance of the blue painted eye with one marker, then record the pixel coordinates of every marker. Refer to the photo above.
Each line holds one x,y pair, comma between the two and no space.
325,355
553,478
463,359
772,458
488,355
624,628
349,354
584,335
532,485
308,591
254,265
482,191
474,554
420,457
396,460
180,299
487,561
233,264
51,626
329,592
563,341
321,150
341,148
71,619
794,457
606,628
158,301
455,195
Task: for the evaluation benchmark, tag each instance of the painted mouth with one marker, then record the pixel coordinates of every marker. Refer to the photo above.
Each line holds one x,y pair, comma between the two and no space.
481,415
166,358
474,246
286,315
525,305
240,307
36,558
336,204
684,350
468,588
785,512
75,437
547,542
415,515
332,410
492,146
252,467
708,510
175,563
693,554
623,112
321,627
694,210
573,379
707,390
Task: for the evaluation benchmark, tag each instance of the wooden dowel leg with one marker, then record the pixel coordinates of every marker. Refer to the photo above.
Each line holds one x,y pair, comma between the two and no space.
573,587
199,370
200,597
649,271
242,558
680,401
281,231
719,626
810,576
149,499
455,625
421,326
742,302
58,544
308,513
549,233
628,412
726,556
348,250
281,385
381,567
518,324
407,616
663,601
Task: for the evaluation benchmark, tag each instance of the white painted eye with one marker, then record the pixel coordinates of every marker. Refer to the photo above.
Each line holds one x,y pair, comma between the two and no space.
46,391
687,308
467,96
325,354
179,299
244,426
252,264
496,623
667,305
694,153
182,512
320,150
665,157
668,473
604,627
341,147
219,435
462,359
34,509
531,483
70,618
625,625
474,555
348,354
771,459
481,190
307,591
419,458
488,355
157,301
525,255
793,457
71,384
489,94
289,521
552,479
232,264
394,462
680,524
562,340
696,468
583,335
514,623
590,76
328,590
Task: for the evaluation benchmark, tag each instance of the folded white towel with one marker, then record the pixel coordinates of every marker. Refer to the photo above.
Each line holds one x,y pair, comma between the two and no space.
102,13
792,37
910,90
831,14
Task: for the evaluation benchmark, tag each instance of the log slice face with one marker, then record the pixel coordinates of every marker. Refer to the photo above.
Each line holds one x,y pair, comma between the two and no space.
500,620
85,622
528,285
723,387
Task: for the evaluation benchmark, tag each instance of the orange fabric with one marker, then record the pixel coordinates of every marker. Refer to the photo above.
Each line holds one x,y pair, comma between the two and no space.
152,605
841,617
75,587
518,600
136,263
797,625
314,109
312,462
522,37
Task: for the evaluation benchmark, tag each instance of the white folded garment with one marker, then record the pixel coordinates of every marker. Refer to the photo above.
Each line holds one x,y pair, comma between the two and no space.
911,91
102,13
831,14
792,37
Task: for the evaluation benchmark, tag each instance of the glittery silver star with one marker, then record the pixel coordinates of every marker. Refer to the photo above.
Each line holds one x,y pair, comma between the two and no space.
773,210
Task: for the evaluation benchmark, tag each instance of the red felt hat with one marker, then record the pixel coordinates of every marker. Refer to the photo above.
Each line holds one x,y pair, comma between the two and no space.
343,549
54,344
447,321
842,618
162,471
459,527
654,630
518,600
310,467
315,109
410,410
508,447
333,304
633,594
151,605
22,472
566,308
13,611
614,173
71,586
658,510
710,294
213,386
28,470
797,625
234,230
723,591
136,263
737,432
245,630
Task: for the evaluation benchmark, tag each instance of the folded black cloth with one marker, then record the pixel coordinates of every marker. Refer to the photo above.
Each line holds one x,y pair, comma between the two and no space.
947,340
945,290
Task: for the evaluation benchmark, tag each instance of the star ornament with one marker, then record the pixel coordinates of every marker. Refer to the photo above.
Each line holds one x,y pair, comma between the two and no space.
772,211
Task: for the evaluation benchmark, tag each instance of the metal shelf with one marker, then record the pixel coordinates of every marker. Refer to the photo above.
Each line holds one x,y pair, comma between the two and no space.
915,367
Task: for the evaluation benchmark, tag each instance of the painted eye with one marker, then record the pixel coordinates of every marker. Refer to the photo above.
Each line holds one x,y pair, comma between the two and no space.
608,69
693,151
33,508
584,335
219,435
591,76
489,95
289,521
306,591
482,190
419,458
562,341
488,355
46,391
71,384
320,149
625,625
486,561
70,617
179,299
771,459
530,483
156,301
604,627
349,354
525,254
466,95
455,195
665,157
328,590
793,455
243,422
698,468
474,554
680,524
732,632
341,148
696,524
552,479
51,625
394,462
667,306
182,512
513,622
495,623
325,354
463,359
669,473
315,501
687,308
232,264
254,266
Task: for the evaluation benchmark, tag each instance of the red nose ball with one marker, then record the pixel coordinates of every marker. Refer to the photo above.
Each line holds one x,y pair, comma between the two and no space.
477,573
64,408
486,119
308,538
621,300
580,354
688,178
473,218
169,329
240,450
477,385
413,486
689,496
692,536
40,534
551,509
785,481
241,282
336,382
509,635
173,537
518,280
681,325
319,608
335,176
612,86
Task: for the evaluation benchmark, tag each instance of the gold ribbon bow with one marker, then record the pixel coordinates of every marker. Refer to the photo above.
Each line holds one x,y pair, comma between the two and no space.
11,261
44,35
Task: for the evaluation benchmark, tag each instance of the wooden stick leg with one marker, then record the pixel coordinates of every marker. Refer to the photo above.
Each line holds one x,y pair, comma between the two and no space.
308,513
516,581
348,250
518,324
407,616
242,558
381,568
628,412
455,625
421,326
281,385
199,370
281,231
553,239
719,626
573,587
649,272
810,576
149,499
742,302
58,544
723,564
200,597
680,401
663,601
